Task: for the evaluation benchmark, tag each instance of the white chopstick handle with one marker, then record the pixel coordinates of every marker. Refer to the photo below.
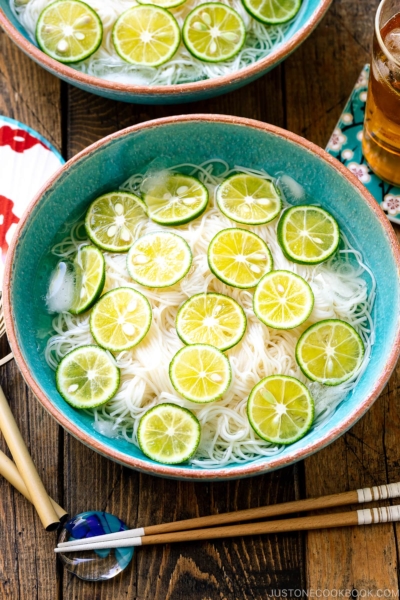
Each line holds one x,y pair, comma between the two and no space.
120,535
381,492
126,543
386,514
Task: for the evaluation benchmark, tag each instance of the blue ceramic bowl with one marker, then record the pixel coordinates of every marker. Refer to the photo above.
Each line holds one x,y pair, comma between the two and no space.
103,166
306,20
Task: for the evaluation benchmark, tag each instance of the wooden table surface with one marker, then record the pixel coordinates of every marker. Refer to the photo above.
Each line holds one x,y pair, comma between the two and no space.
305,95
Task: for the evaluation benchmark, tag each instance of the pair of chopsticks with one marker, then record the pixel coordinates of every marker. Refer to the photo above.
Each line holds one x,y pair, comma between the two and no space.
22,473
208,528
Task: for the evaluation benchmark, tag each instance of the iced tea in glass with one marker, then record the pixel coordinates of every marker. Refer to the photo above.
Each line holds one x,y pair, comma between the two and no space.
381,139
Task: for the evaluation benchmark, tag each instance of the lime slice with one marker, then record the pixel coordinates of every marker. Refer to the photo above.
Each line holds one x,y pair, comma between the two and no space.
249,199
280,409
283,300
213,32
159,259
163,3
239,257
200,373
120,319
169,434
175,199
308,234
113,221
212,319
87,377
330,352
69,31
272,12
146,35
90,272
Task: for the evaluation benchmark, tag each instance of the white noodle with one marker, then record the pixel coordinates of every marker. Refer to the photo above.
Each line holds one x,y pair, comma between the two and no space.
344,288
183,67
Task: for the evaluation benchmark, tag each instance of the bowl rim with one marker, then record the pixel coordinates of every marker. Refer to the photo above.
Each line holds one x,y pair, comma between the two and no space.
253,468
175,90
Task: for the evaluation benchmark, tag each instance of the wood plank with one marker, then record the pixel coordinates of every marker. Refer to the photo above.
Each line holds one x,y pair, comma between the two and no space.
322,74
27,570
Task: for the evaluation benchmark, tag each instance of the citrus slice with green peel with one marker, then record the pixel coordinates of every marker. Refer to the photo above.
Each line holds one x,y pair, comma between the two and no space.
200,373
308,234
280,409
163,3
283,300
90,274
69,31
159,259
87,377
330,352
174,199
146,35
120,319
213,32
212,319
249,199
169,434
239,257
272,12
114,220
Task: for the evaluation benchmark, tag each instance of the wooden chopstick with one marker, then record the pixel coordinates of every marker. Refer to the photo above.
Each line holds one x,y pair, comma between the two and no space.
26,467
10,472
392,490
345,519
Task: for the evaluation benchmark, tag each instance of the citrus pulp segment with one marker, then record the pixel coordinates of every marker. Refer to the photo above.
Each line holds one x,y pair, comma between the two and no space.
146,35
200,373
330,352
239,257
308,234
113,221
169,434
283,300
213,32
249,199
87,377
213,319
159,259
280,409
120,319
69,31
175,199
90,276
273,12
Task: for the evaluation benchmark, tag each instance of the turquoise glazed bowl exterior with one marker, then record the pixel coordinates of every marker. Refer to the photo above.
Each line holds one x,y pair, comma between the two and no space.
307,19
103,166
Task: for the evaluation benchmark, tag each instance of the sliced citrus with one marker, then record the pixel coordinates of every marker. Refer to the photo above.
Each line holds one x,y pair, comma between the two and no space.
239,257
87,377
272,12
200,373
114,220
163,3
174,199
212,319
283,300
249,199
146,35
308,234
330,352
280,409
69,31
120,319
169,434
90,274
159,259
213,32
